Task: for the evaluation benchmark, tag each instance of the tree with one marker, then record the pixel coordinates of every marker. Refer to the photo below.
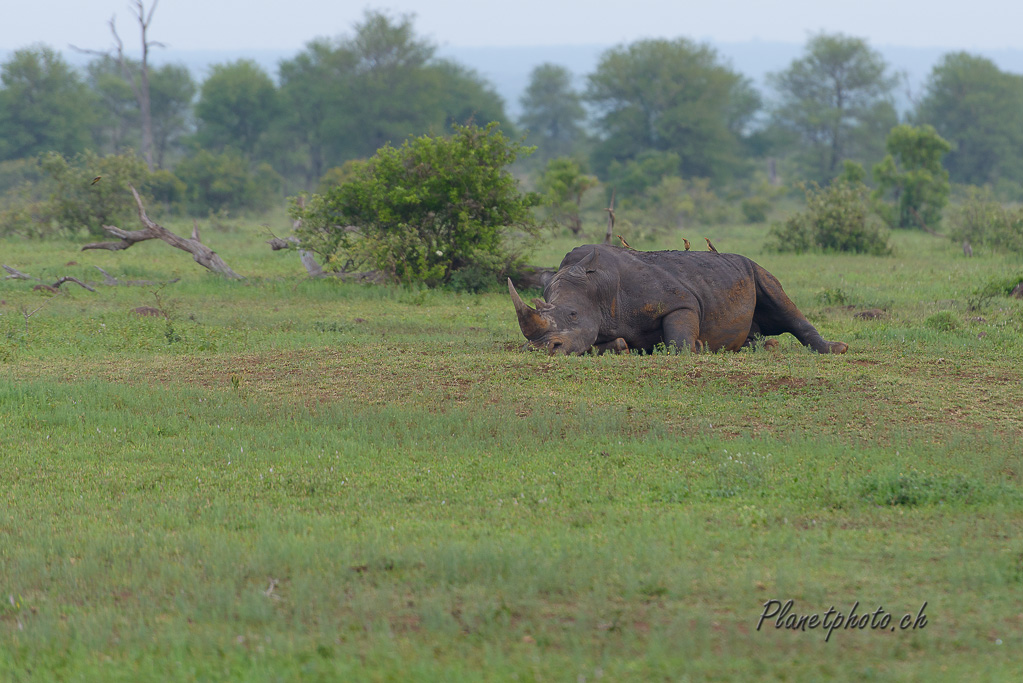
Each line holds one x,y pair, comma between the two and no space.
117,124
552,112
913,176
425,210
836,100
465,96
979,109
670,96
171,90
565,183
44,105
117,128
137,78
347,98
237,104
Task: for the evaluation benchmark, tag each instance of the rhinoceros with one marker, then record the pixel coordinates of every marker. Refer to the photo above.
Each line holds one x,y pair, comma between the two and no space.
608,298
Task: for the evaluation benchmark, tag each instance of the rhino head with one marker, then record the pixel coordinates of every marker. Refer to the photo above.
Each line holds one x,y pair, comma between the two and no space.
569,321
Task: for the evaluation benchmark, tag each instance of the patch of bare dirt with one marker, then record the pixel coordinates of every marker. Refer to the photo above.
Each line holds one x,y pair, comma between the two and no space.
871,314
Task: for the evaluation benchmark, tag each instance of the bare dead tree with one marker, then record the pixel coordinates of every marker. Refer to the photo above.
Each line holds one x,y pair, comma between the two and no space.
139,82
202,254
610,218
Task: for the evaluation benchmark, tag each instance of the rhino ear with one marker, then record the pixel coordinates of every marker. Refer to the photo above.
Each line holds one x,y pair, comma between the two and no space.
542,305
589,263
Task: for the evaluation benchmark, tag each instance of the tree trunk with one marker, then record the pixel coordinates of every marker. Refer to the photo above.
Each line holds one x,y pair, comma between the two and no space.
202,254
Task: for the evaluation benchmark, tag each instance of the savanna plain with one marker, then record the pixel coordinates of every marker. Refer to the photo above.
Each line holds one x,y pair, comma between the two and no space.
282,478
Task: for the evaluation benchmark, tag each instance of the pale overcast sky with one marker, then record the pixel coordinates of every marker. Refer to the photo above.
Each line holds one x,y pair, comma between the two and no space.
290,24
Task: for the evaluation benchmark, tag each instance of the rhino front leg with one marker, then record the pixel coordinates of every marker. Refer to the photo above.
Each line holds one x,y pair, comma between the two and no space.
615,346
681,330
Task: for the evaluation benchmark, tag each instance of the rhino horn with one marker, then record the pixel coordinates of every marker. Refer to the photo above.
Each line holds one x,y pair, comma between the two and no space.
531,323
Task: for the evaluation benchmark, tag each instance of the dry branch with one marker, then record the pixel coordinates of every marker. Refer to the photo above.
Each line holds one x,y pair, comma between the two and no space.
308,258
18,275
923,225
202,254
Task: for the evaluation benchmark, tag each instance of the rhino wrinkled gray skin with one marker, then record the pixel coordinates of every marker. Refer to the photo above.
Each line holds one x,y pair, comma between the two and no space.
608,298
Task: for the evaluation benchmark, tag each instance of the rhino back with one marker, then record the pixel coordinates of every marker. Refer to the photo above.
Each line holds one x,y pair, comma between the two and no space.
720,288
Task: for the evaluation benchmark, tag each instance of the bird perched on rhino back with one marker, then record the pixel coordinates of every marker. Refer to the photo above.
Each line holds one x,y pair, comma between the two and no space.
710,246
607,298
686,243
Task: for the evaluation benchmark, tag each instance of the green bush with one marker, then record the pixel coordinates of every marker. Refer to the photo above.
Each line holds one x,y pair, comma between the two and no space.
17,172
837,218
755,209
24,210
944,321
167,189
226,181
680,203
564,182
23,214
426,210
999,286
78,201
916,488
984,221
833,297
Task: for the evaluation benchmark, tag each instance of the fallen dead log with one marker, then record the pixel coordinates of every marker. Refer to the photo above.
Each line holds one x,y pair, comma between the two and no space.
18,275
202,254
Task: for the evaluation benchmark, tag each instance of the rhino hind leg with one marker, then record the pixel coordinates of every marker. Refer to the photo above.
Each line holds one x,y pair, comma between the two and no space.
776,314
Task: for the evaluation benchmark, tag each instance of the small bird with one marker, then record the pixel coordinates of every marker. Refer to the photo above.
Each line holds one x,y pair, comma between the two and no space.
685,242
709,245
624,243
95,180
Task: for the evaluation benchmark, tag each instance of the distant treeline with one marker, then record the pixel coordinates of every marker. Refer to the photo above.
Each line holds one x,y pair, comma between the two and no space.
243,138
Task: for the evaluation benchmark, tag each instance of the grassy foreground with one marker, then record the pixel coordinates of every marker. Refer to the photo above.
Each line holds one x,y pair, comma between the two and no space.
307,480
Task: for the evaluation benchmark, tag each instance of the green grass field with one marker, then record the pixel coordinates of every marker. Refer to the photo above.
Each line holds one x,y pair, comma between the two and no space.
307,480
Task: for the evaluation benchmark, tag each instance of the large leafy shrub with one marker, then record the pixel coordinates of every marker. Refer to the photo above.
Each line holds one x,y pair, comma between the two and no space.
77,201
837,218
425,210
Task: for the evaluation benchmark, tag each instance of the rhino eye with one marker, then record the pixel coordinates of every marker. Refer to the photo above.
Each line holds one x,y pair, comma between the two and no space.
572,314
